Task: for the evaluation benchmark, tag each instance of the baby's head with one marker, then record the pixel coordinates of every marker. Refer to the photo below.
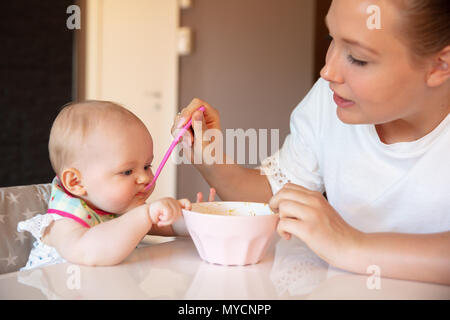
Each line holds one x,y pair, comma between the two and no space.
102,153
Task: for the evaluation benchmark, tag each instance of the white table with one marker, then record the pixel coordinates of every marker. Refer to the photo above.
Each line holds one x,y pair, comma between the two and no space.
170,268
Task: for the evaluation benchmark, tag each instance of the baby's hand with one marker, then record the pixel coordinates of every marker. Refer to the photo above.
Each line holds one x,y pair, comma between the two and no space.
164,212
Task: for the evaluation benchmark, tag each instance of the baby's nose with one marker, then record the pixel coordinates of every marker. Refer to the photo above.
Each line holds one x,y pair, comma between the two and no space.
143,178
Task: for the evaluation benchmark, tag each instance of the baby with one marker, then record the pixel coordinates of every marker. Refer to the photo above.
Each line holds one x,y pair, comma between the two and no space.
97,214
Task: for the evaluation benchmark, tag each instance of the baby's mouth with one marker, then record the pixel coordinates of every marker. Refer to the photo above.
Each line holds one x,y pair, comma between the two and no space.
141,194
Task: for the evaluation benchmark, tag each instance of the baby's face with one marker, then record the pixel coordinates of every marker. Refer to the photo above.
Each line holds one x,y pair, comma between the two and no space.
116,167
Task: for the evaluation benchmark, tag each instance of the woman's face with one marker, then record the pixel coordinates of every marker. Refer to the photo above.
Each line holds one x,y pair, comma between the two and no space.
371,69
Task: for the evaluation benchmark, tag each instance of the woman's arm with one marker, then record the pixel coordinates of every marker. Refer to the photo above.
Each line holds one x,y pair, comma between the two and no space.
307,215
236,183
232,182
420,257
105,244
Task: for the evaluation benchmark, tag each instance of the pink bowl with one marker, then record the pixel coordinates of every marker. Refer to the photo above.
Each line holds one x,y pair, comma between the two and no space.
231,233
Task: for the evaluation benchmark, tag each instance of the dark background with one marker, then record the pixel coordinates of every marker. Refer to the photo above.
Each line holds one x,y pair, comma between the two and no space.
35,81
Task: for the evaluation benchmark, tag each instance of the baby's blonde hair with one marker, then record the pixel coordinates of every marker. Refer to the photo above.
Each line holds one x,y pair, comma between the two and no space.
75,122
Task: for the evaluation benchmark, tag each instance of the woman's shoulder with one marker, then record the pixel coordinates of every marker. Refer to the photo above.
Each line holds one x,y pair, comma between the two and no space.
318,102
316,110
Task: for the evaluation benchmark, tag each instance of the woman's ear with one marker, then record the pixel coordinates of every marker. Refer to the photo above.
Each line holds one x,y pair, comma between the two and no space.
71,180
441,69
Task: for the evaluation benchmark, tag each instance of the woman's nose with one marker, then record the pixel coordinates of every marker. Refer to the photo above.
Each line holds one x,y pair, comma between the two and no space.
331,70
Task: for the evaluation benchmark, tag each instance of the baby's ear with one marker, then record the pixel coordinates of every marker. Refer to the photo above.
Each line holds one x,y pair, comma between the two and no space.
71,180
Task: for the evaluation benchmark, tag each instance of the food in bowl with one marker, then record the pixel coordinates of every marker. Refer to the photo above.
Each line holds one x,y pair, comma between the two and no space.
231,233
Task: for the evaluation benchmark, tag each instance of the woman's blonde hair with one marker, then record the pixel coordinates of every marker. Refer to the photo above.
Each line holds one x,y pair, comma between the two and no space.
425,25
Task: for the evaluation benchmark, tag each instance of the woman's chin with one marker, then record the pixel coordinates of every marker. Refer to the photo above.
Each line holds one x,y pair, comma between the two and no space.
349,116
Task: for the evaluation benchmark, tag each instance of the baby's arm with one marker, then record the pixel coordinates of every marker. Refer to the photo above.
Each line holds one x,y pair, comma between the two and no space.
108,243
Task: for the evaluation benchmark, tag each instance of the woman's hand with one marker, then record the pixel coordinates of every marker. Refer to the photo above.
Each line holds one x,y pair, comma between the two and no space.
192,140
307,215
164,212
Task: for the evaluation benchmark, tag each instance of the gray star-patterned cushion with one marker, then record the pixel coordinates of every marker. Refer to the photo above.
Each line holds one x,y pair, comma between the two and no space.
19,204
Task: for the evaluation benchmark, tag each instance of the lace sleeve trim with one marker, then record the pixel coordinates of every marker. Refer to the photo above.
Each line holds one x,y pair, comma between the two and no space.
37,225
270,167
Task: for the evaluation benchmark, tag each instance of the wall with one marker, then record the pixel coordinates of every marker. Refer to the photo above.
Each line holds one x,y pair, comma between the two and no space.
252,60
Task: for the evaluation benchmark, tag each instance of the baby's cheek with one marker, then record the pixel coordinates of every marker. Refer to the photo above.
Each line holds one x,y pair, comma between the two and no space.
117,202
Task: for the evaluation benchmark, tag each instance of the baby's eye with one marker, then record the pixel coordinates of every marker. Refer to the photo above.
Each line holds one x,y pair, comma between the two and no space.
128,172
147,167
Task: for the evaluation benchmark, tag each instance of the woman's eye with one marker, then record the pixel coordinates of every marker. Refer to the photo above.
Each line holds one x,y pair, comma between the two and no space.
356,61
128,172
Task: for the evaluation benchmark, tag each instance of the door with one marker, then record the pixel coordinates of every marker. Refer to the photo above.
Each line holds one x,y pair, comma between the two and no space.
131,58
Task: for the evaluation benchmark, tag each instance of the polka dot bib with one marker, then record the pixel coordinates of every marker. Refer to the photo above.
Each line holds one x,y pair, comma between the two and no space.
65,204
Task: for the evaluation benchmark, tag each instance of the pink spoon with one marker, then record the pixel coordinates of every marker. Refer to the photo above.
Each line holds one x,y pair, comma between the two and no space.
172,146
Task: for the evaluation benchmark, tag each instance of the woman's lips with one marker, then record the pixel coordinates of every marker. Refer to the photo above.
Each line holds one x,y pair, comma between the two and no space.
341,102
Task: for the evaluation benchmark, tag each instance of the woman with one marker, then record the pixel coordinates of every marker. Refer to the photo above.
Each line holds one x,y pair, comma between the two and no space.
374,133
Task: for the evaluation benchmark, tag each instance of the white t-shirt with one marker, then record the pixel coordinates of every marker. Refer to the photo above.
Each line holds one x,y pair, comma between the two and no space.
401,187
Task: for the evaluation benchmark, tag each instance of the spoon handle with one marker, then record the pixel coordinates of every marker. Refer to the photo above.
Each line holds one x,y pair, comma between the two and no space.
169,151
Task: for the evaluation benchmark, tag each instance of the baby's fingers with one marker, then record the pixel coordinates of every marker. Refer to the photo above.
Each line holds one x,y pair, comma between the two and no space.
165,219
185,204
173,212
159,211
